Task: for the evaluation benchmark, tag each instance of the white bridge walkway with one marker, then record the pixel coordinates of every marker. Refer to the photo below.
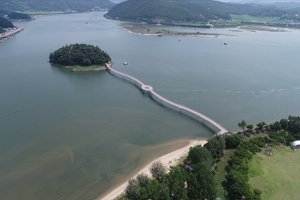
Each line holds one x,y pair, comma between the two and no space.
204,120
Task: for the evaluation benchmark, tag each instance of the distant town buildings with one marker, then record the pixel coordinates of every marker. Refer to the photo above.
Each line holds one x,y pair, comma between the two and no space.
11,31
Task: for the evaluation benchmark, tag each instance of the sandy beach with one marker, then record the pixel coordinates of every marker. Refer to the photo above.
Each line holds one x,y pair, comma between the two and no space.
168,160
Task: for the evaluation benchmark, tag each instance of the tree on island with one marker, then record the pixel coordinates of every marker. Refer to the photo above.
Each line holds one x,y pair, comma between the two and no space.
79,54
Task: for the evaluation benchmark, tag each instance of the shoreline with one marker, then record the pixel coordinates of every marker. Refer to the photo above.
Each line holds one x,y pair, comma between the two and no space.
11,32
167,160
75,70
199,35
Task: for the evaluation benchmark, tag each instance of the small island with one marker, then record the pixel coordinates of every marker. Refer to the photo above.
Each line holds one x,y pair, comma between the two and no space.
80,57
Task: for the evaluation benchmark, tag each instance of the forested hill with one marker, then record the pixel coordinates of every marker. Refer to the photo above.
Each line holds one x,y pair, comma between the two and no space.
55,5
250,9
164,11
16,15
4,23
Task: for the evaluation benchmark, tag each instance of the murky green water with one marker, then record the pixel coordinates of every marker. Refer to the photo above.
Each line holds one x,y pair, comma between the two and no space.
67,135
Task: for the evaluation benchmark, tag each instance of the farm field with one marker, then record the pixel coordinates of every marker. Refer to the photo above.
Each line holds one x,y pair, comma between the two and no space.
277,176
247,18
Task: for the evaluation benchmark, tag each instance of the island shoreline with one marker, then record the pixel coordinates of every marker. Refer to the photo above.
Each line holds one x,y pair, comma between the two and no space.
74,70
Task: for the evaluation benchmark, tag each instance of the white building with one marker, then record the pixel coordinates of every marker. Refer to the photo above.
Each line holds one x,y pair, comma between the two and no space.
296,145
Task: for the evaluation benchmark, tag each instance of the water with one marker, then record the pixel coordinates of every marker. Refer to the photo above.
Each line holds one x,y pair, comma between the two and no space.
71,135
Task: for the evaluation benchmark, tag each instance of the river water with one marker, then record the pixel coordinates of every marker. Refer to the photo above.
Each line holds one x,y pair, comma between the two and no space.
67,135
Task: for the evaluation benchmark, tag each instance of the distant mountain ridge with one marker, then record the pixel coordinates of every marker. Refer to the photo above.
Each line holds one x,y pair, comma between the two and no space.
55,5
257,10
164,11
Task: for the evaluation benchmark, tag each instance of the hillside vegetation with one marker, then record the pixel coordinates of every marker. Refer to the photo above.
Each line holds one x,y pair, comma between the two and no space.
55,5
256,10
4,23
16,15
164,11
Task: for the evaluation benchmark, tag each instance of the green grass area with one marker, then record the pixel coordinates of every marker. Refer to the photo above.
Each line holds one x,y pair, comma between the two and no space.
276,175
262,28
92,67
44,13
221,172
246,18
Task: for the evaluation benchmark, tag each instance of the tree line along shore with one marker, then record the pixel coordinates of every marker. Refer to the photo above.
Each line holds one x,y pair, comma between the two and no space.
220,168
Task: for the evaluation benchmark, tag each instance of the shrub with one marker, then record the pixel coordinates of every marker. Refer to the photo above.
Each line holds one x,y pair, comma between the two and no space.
232,141
216,146
200,154
158,171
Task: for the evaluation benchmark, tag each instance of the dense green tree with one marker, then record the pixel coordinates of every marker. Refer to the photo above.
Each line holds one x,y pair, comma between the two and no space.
249,126
176,183
133,189
79,54
216,146
201,183
243,168
278,136
235,176
290,138
284,123
144,182
158,171
159,191
232,141
260,125
242,125
200,154
259,141
246,145
244,153
275,126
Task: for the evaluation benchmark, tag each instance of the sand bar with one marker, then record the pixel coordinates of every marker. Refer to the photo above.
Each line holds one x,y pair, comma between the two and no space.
168,160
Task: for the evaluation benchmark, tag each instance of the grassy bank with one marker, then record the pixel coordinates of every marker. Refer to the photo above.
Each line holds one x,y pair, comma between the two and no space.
238,19
277,176
84,68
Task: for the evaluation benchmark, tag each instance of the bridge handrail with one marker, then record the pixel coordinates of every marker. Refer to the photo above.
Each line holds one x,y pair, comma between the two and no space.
221,128
111,69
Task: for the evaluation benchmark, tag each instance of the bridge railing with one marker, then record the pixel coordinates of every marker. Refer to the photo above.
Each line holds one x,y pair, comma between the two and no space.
200,118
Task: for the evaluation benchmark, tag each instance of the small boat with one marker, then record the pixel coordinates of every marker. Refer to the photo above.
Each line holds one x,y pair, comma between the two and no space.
159,35
225,43
125,63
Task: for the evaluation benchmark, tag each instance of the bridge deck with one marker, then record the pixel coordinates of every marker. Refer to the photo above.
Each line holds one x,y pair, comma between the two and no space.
152,92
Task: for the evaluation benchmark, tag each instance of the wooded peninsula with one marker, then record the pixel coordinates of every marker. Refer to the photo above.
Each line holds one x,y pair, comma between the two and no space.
230,167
